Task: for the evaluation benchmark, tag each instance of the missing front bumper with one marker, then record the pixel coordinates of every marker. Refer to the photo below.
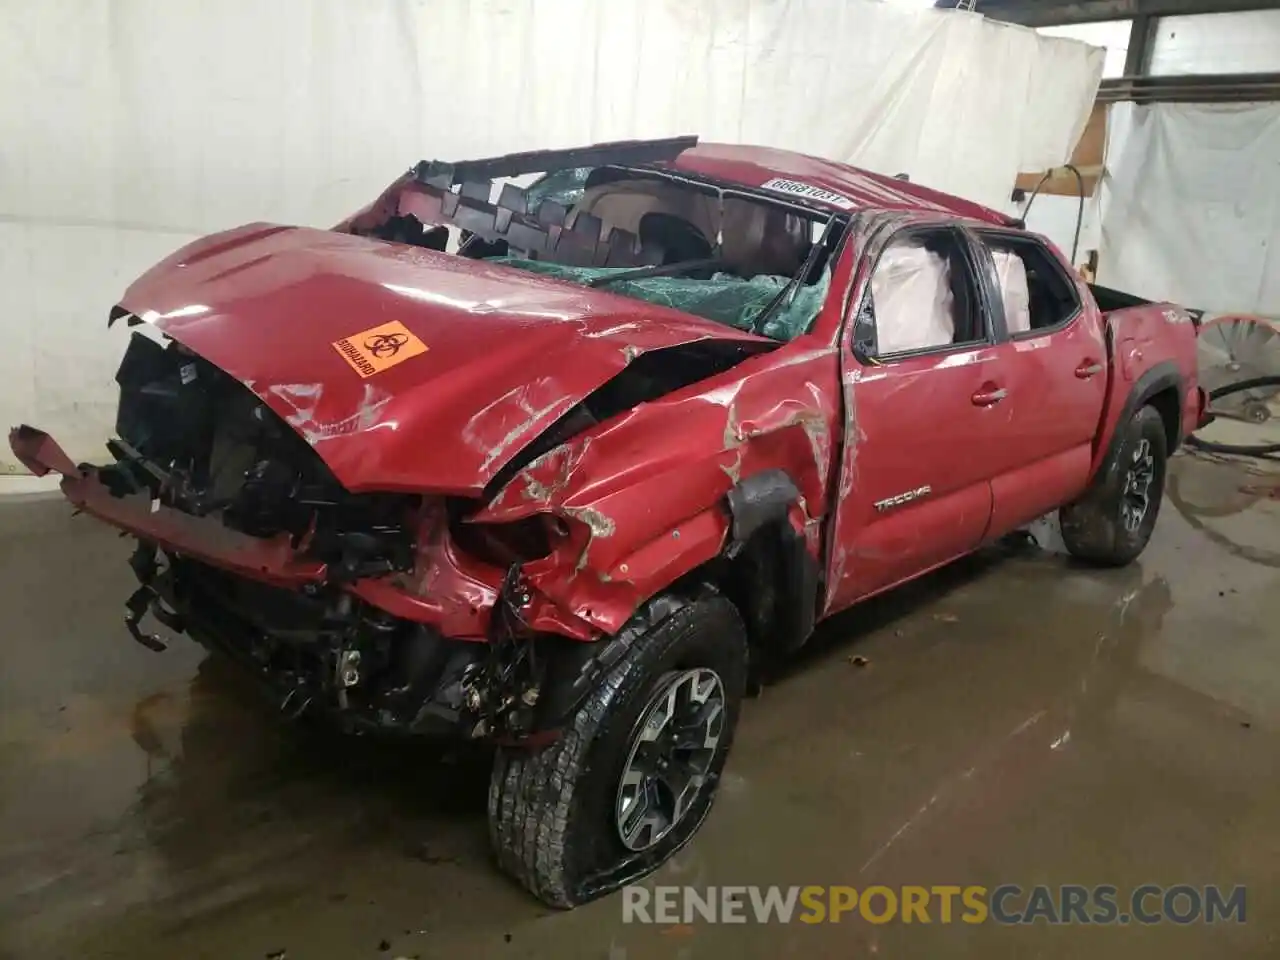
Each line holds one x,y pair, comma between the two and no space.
367,653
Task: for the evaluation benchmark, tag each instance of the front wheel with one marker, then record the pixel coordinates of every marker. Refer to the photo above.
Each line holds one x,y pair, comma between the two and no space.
636,768
1111,524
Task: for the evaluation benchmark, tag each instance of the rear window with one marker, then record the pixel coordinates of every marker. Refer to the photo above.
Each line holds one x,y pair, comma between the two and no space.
1036,292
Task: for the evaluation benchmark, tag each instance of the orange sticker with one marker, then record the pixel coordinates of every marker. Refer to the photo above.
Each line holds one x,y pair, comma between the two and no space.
379,348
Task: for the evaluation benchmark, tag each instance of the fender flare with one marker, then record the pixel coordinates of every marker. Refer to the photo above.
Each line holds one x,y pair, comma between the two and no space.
1160,377
760,500
759,507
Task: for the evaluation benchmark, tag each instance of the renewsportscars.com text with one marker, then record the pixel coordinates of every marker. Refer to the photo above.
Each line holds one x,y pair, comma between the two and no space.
1006,904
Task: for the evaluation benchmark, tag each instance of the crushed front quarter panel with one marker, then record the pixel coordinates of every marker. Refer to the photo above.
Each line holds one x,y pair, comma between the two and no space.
636,522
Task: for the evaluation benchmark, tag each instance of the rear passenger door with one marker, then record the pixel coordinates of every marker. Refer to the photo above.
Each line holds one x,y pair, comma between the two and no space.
923,386
1054,359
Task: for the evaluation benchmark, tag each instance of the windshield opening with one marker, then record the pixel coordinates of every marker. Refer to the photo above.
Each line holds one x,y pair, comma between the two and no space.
729,259
720,254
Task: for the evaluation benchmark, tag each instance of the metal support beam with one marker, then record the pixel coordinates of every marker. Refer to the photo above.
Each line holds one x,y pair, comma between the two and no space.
1047,13
1142,37
1209,88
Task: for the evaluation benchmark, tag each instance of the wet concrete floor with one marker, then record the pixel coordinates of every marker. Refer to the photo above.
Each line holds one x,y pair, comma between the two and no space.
1016,720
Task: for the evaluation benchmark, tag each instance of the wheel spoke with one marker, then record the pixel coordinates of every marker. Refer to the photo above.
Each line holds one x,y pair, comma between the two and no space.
703,731
1218,351
1135,497
1247,338
688,786
673,747
641,821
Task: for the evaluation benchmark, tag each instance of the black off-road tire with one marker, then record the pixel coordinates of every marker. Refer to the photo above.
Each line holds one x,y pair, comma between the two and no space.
552,810
1093,527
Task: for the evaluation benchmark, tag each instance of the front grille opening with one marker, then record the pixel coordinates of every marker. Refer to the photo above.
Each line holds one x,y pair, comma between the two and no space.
203,443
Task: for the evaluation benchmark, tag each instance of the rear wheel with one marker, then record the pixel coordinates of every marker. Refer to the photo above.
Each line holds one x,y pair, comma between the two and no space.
636,769
1111,524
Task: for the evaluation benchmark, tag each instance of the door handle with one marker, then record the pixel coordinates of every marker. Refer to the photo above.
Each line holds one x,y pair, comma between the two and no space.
1088,369
987,397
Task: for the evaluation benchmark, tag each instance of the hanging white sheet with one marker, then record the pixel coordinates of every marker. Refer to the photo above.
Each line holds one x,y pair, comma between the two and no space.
1191,205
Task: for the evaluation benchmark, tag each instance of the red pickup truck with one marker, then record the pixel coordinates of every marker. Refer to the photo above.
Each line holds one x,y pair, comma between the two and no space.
562,467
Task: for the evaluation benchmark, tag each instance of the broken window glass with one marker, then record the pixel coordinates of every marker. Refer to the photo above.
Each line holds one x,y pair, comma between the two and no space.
722,298
560,186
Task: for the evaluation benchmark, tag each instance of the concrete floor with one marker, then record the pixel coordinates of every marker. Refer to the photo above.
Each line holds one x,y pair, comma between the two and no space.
1018,720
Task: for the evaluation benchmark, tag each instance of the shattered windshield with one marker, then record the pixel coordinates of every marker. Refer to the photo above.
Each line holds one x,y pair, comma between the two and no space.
730,259
721,297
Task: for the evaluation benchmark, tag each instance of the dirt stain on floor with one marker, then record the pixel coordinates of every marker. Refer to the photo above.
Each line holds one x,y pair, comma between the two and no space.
1012,719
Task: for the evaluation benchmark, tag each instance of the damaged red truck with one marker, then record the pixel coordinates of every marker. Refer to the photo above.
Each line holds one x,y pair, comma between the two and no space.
559,470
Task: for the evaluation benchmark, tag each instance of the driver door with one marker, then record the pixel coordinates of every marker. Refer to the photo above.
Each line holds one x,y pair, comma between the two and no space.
924,390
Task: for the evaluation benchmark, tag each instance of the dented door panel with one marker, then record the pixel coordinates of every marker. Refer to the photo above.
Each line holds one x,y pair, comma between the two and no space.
919,449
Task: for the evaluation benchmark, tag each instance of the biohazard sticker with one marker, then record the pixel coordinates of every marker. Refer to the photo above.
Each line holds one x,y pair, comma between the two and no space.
379,348
795,188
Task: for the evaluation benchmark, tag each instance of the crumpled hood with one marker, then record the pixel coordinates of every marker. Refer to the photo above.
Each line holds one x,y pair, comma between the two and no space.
404,368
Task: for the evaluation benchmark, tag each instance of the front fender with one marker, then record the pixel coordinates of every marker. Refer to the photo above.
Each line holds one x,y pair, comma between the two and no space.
626,540
642,499
606,598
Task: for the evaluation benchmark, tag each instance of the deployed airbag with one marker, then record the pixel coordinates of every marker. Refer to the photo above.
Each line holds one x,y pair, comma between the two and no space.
1011,273
911,293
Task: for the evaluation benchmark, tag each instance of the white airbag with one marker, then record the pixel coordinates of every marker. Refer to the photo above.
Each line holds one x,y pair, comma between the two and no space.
914,306
1012,275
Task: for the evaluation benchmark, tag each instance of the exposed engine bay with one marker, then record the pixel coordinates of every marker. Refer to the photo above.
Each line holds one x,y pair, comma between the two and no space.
194,440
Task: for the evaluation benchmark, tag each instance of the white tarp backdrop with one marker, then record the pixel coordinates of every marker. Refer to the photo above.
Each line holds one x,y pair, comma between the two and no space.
127,127
1191,205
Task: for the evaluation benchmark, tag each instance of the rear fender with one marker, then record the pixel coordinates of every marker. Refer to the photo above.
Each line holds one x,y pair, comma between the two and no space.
1128,398
1152,349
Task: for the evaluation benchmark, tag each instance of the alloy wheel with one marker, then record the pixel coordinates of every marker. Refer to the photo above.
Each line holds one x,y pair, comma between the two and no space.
672,749
1135,499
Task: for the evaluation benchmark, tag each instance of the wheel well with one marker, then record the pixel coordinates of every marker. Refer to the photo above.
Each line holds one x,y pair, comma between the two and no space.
769,576
773,581
751,581
1168,404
